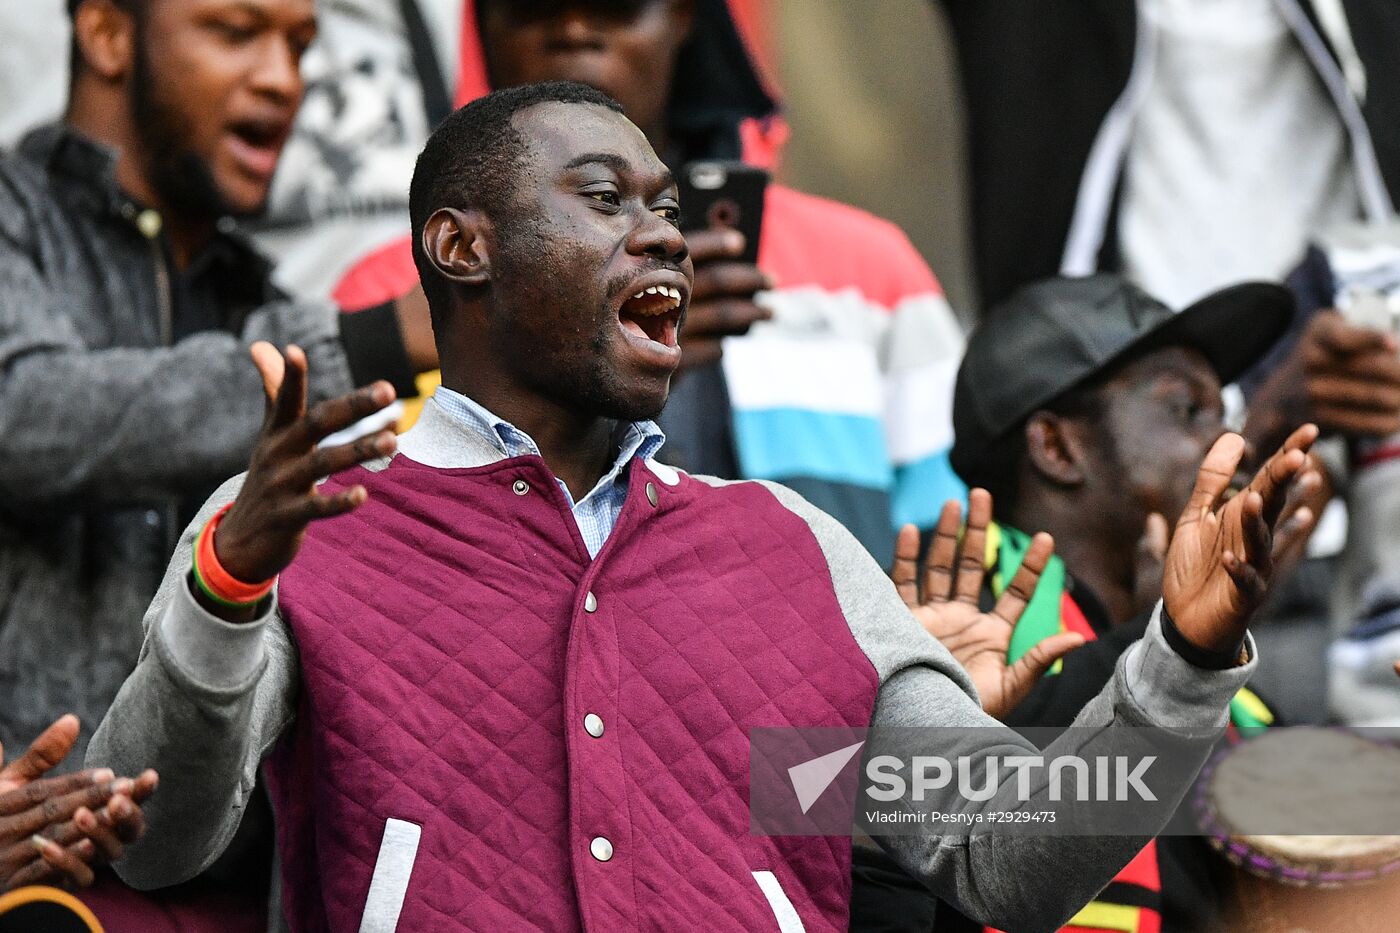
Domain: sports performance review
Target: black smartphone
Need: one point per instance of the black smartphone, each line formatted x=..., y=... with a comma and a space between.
x=724, y=194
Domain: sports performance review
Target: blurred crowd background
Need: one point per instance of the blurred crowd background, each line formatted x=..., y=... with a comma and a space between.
x=870, y=89
x=875, y=115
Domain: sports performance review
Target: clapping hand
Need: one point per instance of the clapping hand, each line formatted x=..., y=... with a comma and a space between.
x=944, y=598
x=1221, y=558
x=53, y=830
x=1296, y=525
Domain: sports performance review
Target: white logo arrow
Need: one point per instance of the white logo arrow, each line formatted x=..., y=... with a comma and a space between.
x=811, y=778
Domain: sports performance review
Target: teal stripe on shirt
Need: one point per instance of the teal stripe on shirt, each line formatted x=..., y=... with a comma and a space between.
x=776, y=443
x=921, y=488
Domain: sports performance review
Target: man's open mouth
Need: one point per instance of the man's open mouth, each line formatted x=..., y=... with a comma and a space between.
x=258, y=143
x=653, y=314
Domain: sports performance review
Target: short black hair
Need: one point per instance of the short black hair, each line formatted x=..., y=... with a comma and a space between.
x=472, y=161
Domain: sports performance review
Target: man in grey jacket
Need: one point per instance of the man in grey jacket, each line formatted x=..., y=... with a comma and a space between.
x=127, y=304
x=557, y=353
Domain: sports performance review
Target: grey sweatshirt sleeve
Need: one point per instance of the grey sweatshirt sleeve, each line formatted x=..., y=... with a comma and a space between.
x=1013, y=882
x=82, y=425
x=206, y=701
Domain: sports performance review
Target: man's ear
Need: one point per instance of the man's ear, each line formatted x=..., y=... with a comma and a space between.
x=455, y=243
x=1055, y=449
x=105, y=37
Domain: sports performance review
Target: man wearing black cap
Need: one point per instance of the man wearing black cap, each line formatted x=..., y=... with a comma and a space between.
x=1084, y=406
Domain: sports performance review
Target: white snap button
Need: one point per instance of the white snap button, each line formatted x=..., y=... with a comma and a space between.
x=600, y=847
x=651, y=494
x=149, y=223
x=593, y=725
x=590, y=602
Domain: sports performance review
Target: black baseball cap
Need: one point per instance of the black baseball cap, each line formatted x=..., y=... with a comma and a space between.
x=1058, y=333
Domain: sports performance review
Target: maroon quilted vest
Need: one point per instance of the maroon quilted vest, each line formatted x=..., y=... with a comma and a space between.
x=456, y=643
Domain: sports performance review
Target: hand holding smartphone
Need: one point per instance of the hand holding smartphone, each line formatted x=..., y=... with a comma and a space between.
x=717, y=200
x=724, y=194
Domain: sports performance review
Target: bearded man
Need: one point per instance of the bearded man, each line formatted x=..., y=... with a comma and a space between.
x=127, y=304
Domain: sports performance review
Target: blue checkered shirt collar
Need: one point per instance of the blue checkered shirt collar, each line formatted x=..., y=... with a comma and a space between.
x=596, y=513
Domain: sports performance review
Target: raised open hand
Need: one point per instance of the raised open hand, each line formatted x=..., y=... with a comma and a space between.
x=263, y=530
x=54, y=829
x=1295, y=526
x=943, y=595
x=1221, y=558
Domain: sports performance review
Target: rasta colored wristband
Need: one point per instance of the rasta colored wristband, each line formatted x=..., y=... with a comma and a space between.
x=217, y=583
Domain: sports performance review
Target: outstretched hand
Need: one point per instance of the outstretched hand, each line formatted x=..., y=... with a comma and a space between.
x=1295, y=526
x=263, y=530
x=1221, y=558
x=944, y=594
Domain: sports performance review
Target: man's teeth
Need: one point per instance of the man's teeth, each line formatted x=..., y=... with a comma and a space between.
x=664, y=290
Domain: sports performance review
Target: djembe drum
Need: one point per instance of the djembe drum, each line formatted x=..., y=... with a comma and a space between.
x=1251, y=797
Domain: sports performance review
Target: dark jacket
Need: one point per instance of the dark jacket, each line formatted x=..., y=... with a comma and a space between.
x=1043, y=81
x=125, y=391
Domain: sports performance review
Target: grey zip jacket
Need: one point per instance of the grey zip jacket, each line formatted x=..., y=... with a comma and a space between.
x=125, y=388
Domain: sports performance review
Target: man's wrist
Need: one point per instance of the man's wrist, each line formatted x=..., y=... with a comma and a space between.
x=228, y=613
x=1195, y=655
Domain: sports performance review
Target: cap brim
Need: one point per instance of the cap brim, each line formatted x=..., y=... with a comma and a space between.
x=1233, y=328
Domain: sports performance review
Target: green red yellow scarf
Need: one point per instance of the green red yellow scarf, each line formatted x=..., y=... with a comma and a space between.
x=1052, y=610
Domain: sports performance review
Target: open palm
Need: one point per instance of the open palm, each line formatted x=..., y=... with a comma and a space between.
x=1221, y=556
x=945, y=600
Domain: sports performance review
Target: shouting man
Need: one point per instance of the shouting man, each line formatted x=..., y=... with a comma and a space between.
x=127, y=304
x=510, y=682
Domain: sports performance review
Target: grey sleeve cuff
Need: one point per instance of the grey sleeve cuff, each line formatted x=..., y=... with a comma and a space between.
x=1173, y=693
x=215, y=654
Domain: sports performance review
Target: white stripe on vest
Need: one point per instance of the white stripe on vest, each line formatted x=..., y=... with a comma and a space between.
x=389, y=884
x=786, y=914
